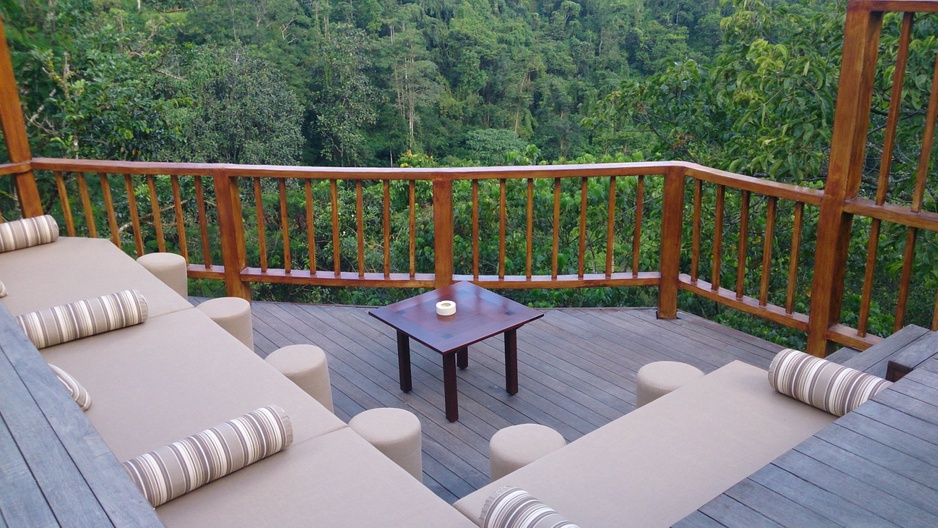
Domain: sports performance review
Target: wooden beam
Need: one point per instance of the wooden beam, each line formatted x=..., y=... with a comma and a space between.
x=443, y=231
x=14, y=132
x=672, y=225
x=848, y=143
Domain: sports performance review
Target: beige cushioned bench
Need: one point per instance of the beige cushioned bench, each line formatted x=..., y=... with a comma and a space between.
x=661, y=462
x=72, y=269
x=179, y=373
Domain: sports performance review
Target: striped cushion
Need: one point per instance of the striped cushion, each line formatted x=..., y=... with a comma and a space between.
x=27, y=232
x=76, y=320
x=512, y=507
x=826, y=385
x=176, y=469
x=75, y=389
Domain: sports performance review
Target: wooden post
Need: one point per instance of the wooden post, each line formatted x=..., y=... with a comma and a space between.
x=848, y=144
x=232, y=234
x=14, y=132
x=672, y=225
x=443, y=230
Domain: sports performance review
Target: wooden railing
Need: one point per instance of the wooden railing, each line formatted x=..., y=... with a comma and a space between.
x=732, y=239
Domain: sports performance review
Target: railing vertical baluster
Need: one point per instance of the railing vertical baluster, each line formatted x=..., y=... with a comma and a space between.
x=895, y=107
x=157, y=215
x=180, y=220
x=793, y=258
x=610, y=227
x=310, y=227
x=672, y=227
x=639, y=216
x=66, y=206
x=556, y=240
x=767, y=251
x=386, y=221
x=86, y=204
x=934, y=314
x=908, y=259
x=475, y=229
x=695, y=237
x=743, y=247
x=869, y=275
x=285, y=226
x=360, y=226
x=502, y=226
x=109, y=207
x=336, y=241
x=928, y=140
x=412, y=203
x=528, y=261
x=581, y=253
x=203, y=223
x=261, y=223
x=718, y=239
x=134, y=213
x=882, y=185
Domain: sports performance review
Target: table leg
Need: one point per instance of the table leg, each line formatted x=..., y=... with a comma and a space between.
x=462, y=357
x=511, y=361
x=403, y=361
x=449, y=386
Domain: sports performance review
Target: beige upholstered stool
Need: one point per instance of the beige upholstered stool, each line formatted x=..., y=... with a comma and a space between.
x=654, y=380
x=516, y=446
x=306, y=366
x=396, y=433
x=234, y=315
x=169, y=268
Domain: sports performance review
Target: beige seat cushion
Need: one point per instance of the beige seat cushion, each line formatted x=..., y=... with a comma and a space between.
x=336, y=479
x=71, y=269
x=659, y=463
x=175, y=375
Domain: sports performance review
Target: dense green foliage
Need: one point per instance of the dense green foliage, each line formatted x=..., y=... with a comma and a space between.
x=743, y=85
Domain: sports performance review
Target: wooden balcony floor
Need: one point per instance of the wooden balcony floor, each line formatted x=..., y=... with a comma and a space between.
x=576, y=373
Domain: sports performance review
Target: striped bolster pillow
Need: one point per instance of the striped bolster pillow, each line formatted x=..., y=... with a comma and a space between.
x=76, y=320
x=75, y=389
x=27, y=232
x=176, y=469
x=826, y=385
x=512, y=507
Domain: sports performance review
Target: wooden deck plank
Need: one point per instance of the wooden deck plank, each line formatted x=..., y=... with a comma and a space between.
x=576, y=367
x=846, y=488
x=814, y=498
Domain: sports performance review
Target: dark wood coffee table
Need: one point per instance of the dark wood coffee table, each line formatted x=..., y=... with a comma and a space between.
x=480, y=314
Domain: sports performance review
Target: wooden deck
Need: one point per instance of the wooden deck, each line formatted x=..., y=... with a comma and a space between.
x=876, y=466
x=576, y=369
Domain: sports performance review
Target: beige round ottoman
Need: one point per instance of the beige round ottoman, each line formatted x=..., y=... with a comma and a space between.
x=306, y=366
x=656, y=379
x=169, y=268
x=234, y=315
x=396, y=433
x=516, y=446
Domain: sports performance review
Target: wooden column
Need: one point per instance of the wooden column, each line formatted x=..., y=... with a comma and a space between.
x=231, y=226
x=443, y=230
x=848, y=144
x=672, y=225
x=14, y=132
